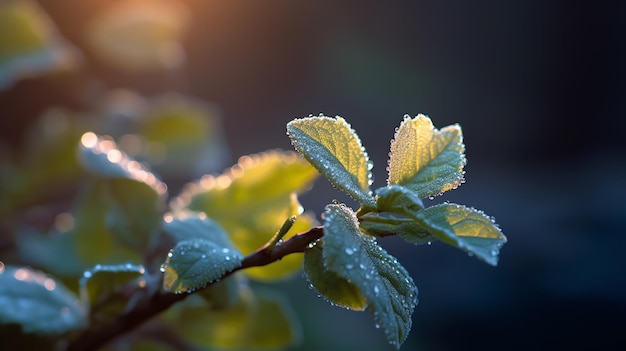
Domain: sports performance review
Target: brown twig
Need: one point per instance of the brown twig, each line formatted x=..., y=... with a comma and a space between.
x=152, y=305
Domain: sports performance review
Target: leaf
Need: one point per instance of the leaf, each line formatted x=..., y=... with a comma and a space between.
x=101, y=156
x=29, y=43
x=329, y=284
x=139, y=35
x=357, y=258
x=335, y=150
x=396, y=208
x=194, y=263
x=184, y=136
x=426, y=160
x=92, y=235
x=251, y=201
x=465, y=228
x=130, y=196
x=37, y=302
x=104, y=283
x=262, y=320
x=397, y=199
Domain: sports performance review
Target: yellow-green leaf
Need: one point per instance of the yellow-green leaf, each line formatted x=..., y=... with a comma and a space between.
x=139, y=35
x=252, y=200
x=261, y=320
x=424, y=159
x=335, y=150
x=329, y=284
x=29, y=43
x=466, y=228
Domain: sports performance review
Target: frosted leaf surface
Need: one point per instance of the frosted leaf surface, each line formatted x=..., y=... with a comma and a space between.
x=38, y=302
x=465, y=228
x=335, y=150
x=194, y=263
x=426, y=160
x=357, y=258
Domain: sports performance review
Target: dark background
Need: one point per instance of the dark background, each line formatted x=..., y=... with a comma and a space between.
x=539, y=88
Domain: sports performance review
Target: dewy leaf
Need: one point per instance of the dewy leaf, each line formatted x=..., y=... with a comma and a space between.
x=387, y=286
x=194, y=263
x=260, y=320
x=37, y=302
x=329, y=284
x=101, y=282
x=335, y=150
x=251, y=201
x=101, y=156
x=397, y=199
x=466, y=228
x=424, y=159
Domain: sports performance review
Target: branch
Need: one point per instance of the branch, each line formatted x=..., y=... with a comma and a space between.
x=152, y=305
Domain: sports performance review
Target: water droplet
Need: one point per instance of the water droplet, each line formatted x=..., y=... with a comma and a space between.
x=227, y=258
x=376, y=290
x=225, y=250
x=203, y=256
x=349, y=266
x=349, y=251
x=87, y=274
x=162, y=268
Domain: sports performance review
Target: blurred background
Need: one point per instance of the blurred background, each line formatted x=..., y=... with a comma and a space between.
x=538, y=87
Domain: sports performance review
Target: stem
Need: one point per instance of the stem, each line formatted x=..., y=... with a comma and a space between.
x=152, y=305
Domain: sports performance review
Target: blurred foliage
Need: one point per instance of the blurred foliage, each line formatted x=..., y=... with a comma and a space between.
x=29, y=43
x=85, y=197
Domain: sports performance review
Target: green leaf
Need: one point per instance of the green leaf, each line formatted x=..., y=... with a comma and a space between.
x=194, y=263
x=262, y=320
x=397, y=199
x=465, y=228
x=426, y=160
x=184, y=136
x=186, y=225
x=335, y=150
x=329, y=284
x=251, y=201
x=105, y=283
x=145, y=43
x=130, y=198
x=101, y=156
x=47, y=165
x=29, y=43
x=92, y=233
x=37, y=302
x=357, y=258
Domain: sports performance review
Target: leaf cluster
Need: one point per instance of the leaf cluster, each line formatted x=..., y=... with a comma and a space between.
x=348, y=266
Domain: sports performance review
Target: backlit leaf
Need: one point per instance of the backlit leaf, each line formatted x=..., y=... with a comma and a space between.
x=130, y=196
x=329, y=284
x=466, y=228
x=105, y=283
x=335, y=150
x=262, y=320
x=387, y=286
x=194, y=263
x=251, y=202
x=37, y=302
x=424, y=159
x=139, y=35
x=29, y=43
